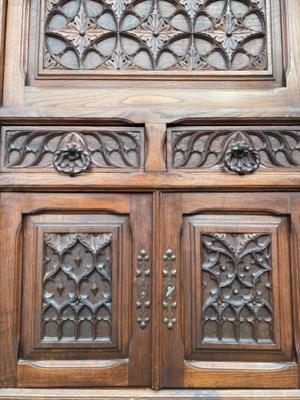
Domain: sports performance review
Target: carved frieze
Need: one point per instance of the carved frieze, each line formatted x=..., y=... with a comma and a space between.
x=73, y=152
x=238, y=150
x=187, y=35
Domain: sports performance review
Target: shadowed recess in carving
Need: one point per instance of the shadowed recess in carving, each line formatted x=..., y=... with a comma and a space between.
x=237, y=298
x=77, y=287
x=155, y=35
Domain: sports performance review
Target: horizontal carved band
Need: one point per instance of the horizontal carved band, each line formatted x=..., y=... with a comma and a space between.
x=239, y=150
x=73, y=151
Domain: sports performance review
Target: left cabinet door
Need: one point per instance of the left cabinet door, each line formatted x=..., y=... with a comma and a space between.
x=76, y=290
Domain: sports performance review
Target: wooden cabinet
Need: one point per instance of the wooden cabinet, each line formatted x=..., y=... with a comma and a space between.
x=149, y=197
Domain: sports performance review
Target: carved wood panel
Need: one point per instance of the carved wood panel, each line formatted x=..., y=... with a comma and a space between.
x=234, y=286
x=241, y=150
x=77, y=287
x=72, y=150
x=79, y=271
x=157, y=38
x=155, y=35
x=237, y=298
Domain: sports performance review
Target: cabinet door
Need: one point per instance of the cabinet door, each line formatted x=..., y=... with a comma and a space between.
x=226, y=292
x=82, y=278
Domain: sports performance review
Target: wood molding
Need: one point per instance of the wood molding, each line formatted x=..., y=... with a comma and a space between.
x=147, y=394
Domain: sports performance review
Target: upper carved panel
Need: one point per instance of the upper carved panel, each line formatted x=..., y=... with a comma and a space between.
x=237, y=299
x=157, y=35
x=77, y=287
x=238, y=150
x=75, y=151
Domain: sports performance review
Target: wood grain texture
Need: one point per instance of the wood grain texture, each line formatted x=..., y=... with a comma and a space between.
x=2, y=43
x=146, y=394
x=94, y=93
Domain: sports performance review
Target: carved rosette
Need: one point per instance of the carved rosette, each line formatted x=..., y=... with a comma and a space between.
x=169, y=300
x=241, y=158
x=143, y=301
x=72, y=156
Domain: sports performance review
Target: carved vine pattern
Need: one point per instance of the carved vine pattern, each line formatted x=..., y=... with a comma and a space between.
x=73, y=152
x=77, y=287
x=215, y=149
x=169, y=300
x=155, y=34
x=143, y=289
x=237, y=299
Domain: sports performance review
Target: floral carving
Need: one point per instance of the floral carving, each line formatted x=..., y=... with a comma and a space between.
x=241, y=151
x=77, y=292
x=155, y=35
x=74, y=152
x=237, y=293
x=241, y=158
x=72, y=157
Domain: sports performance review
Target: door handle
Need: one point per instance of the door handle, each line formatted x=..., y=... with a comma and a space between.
x=143, y=300
x=169, y=300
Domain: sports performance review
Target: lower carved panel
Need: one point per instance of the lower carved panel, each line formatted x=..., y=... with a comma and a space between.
x=237, y=299
x=77, y=287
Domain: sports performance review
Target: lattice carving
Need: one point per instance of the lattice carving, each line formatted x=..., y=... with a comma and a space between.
x=208, y=149
x=155, y=35
x=77, y=287
x=237, y=298
x=98, y=149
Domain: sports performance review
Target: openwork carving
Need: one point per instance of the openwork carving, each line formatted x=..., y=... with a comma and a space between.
x=237, y=298
x=155, y=34
x=241, y=151
x=72, y=157
x=74, y=152
x=77, y=287
x=169, y=300
x=143, y=289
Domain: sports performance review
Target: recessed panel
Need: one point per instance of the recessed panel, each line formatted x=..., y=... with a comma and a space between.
x=156, y=38
x=239, y=268
x=72, y=150
x=74, y=278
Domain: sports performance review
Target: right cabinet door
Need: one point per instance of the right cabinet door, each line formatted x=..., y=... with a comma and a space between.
x=227, y=291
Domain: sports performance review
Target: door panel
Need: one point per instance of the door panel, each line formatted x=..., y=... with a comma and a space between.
x=231, y=291
x=81, y=309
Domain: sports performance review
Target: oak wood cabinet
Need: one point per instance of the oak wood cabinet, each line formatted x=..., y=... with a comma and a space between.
x=150, y=198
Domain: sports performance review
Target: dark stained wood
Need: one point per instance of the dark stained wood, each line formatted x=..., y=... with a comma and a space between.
x=149, y=199
x=215, y=240
x=68, y=227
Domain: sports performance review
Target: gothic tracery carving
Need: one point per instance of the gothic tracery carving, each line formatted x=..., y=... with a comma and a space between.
x=237, y=298
x=155, y=34
x=242, y=151
x=73, y=151
x=77, y=287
